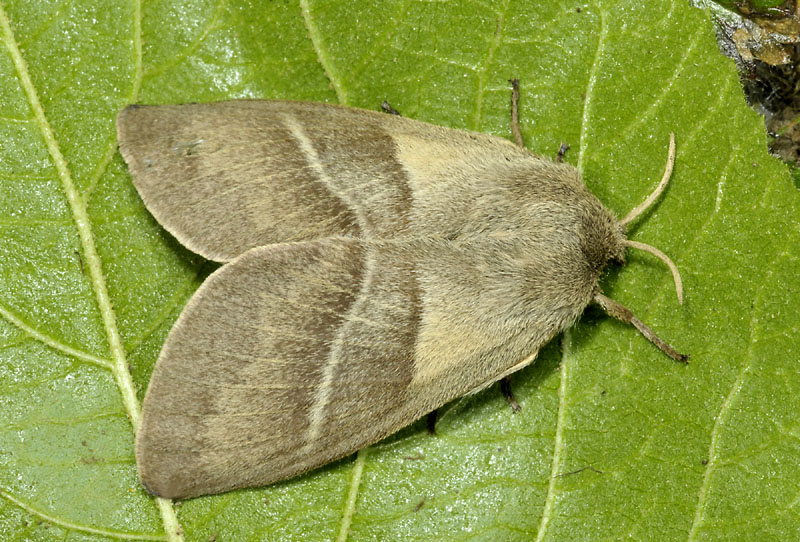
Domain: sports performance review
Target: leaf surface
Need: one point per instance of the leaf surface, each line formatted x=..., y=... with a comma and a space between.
x=614, y=440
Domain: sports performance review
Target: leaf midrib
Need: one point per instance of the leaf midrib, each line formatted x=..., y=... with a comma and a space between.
x=77, y=206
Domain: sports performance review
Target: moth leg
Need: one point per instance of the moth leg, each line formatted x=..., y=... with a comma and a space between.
x=515, y=113
x=505, y=387
x=624, y=314
x=562, y=150
x=432, y=416
x=515, y=130
x=389, y=109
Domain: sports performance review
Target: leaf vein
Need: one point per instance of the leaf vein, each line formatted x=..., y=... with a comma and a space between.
x=666, y=87
x=75, y=526
x=184, y=53
x=77, y=205
x=322, y=57
x=497, y=38
x=726, y=406
x=587, y=103
x=352, y=494
x=51, y=342
x=558, y=441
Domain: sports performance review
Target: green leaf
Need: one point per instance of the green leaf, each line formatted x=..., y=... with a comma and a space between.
x=614, y=439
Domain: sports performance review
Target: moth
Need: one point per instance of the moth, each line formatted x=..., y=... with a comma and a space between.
x=375, y=268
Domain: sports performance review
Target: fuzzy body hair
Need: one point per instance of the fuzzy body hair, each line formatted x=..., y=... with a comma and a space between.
x=376, y=267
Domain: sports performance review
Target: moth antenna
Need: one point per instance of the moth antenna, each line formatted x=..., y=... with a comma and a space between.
x=642, y=207
x=664, y=258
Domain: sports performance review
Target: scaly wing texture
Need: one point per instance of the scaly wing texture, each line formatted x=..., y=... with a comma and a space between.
x=296, y=354
x=246, y=376
x=229, y=176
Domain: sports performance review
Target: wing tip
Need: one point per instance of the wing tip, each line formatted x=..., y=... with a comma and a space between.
x=123, y=128
x=158, y=475
x=128, y=110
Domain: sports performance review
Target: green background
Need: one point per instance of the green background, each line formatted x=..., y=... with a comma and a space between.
x=614, y=440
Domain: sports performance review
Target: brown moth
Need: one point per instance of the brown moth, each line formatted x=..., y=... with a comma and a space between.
x=376, y=267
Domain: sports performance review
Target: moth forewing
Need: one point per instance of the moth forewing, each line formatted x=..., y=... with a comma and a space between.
x=229, y=176
x=378, y=267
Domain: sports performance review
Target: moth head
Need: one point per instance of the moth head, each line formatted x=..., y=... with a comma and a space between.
x=602, y=236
